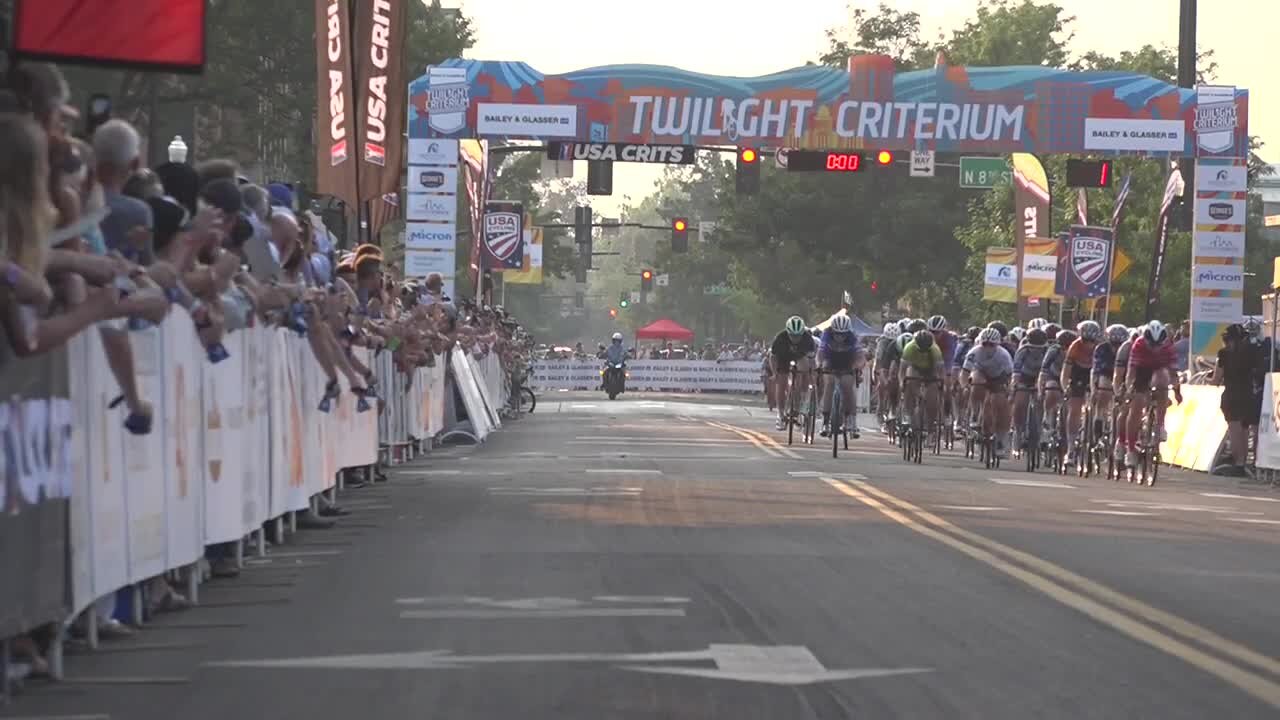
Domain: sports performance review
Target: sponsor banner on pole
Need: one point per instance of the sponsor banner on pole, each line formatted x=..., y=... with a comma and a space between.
x=424, y=207
x=379, y=59
x=1218, y=278
x=867, y=103
x=1217, y=289
x=335, y=107
x=433, y=151
x=429, y=236
x=1084, y=268
x=35, y=489
x=503, y=229
x=1215, y=210
x=531, y=273
x=527, y=119
x=1218, y=244
x=1218, y=116
x=421, y=263
x=1000, y=281
x=1231, y=178
x=622, y=152
x=438, y=179
x=1039, y=268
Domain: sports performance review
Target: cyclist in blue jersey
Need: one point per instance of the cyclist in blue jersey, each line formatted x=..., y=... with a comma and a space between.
x=1104, y=365
x=839, y=355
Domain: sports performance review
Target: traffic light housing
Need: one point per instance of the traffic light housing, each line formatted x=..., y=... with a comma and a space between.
x=884, y=157
x=646, y=280
x=582, y=236
x=747, y=172
x=679, y=235
x=599, y=177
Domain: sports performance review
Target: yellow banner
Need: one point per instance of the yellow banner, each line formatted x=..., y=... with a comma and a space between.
x=531, y=272
x=1039, y=268
x=1000, y=282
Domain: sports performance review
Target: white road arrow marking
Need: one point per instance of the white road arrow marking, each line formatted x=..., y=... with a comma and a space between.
x=774, y=665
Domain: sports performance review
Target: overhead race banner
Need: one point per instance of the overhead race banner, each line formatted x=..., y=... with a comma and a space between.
x=379, y=55
x=1084, y=266
x=335, y=121
x=866, y=105
x=1000, y=283
x=622, y=152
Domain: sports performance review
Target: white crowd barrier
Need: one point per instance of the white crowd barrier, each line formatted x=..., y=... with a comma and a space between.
x=1268, y=450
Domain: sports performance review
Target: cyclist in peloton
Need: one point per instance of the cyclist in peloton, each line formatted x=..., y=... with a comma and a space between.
x=988, y=367
x=1104, y=366
x=793, y=344
x=1152, y=365
x=1026, y=370
x=963, y=345
x=946, y=342
x=922, y=365
x=1051, y=371
x=1076, y=377
x=886, y=380
x=839, y=355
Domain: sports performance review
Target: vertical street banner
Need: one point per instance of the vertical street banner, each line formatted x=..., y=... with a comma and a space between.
x=36, y=477
x=1000, y=281
x=1218, y=247
x=503, y=231
x=1032, y=207
x=335, y=108
x=1173, y=188
x=1084, y=267
x=531, y=272
x=380, y=102
x=1039, y=268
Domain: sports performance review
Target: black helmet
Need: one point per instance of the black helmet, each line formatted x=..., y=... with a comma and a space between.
x=1051, y=330
x=924, y=339
x=1066, y=337
x=999, y=327
x=916, y=326
x=1037, y=338
x=972, y=333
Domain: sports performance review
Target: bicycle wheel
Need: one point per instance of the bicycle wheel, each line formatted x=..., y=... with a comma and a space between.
x=528, y=398
x=1151, y=451
x=837, y=417
x=793, y=410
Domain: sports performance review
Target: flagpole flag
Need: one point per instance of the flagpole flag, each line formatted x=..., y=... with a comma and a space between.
x=1172, y=188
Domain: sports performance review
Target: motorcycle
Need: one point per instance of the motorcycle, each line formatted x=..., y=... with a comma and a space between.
x=614, y=378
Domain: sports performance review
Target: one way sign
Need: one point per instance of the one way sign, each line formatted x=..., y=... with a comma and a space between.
x=921, y=163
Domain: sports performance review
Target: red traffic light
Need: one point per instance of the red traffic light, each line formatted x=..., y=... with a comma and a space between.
x=884, y=157
x=748, y=155
x=874, y=286
x=613, y=312
x=679, y=225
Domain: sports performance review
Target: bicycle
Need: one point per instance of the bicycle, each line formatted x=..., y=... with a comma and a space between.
x=797, y=415
x=520, y=394
x=1032, y=427
x=839, y=428
x=1148, y=446
x=913, y=435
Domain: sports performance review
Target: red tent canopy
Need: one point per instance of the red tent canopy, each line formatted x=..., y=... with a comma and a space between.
x=664, y=329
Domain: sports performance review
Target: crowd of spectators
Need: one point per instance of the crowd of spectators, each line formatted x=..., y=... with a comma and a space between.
x=94, y=240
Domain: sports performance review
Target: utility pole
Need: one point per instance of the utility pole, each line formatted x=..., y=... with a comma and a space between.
x=1187, y=79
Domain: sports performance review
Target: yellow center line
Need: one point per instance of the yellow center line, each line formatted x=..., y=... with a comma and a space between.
x=910, y=516
x=753, y=440
x=766, y=439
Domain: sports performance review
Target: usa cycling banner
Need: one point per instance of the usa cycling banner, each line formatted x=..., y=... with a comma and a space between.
x=1000, y=281
x=503, y=235
x=866, y=103
x=1084, y=269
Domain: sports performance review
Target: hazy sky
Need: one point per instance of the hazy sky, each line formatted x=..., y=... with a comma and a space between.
x=754, y=38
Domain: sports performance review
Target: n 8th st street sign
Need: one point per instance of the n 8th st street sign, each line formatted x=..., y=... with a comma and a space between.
x=984, y=172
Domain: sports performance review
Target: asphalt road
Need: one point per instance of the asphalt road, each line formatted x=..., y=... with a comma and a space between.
x=666, y=557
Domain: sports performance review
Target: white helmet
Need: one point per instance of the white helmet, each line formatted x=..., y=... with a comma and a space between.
x=1155, y=332
x=890, y=329
x=904, y=339
x=841, y=323
x=1037, y=324
x=617, y=337
x=937, y=323
x=1016, y=334
x=1090, y=330
x=989, y=335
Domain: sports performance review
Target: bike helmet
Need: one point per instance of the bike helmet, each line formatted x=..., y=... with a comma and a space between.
x=1117, y=333
x=1135, y=333
x=617, y=337
x=841, y=323
x=999, y=327
x=1037, y=338
x=990, y=336
x=902, y=325
x=1253, y=326
x=937, y=323
x=816, y=332
x=1037, y=324
x=1066, y=337
x=924, y=339
x=795, y=326
x=903, y=339
x=972, y=333
x=1016, y=334
x=1155, y=332
x=890, y=329
x=1090, y=331
x=916, y=326
x=1051, y=330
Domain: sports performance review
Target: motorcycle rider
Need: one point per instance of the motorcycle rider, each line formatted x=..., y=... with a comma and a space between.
x=615, y=354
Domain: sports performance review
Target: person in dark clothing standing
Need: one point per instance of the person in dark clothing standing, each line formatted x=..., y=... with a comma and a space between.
x=1240, y=371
